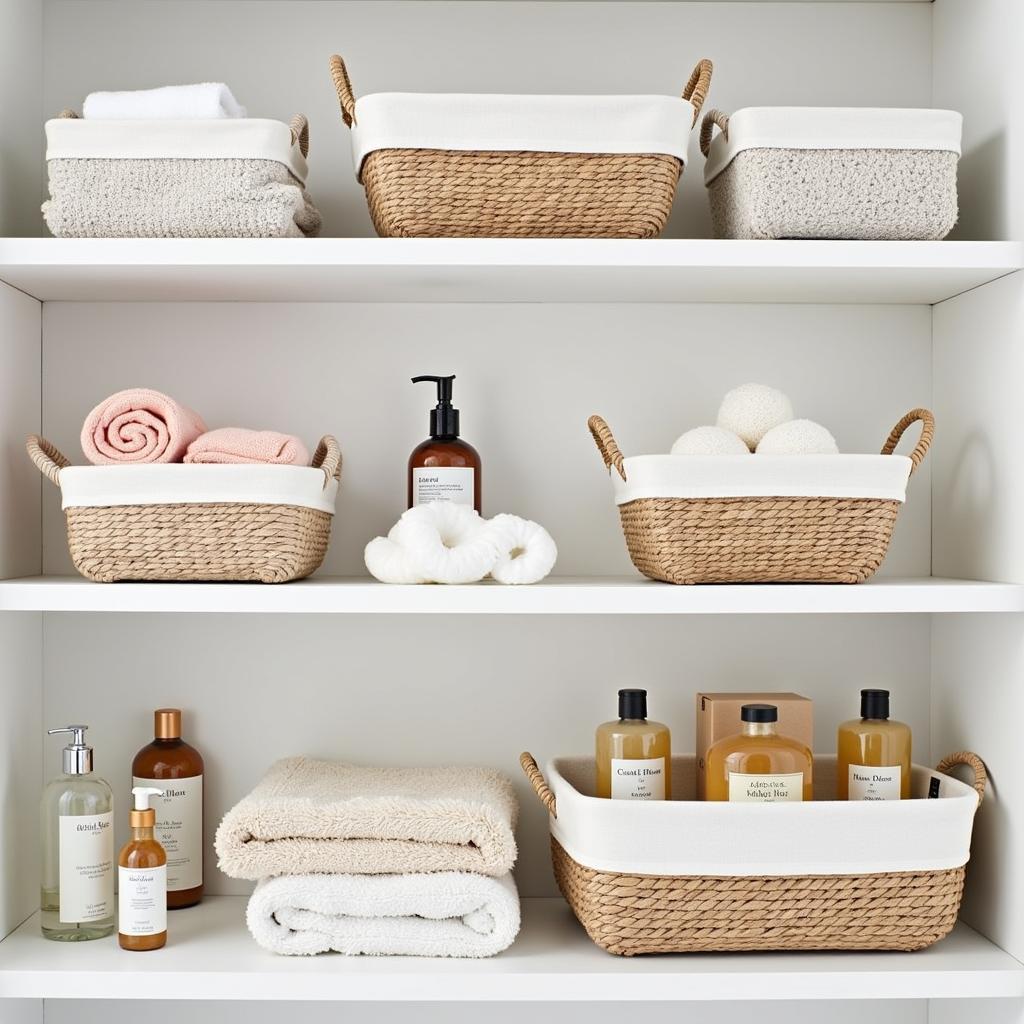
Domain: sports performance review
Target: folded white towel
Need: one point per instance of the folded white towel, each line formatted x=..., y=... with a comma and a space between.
x=205, y=100
x=453, y=913
x=311, y=817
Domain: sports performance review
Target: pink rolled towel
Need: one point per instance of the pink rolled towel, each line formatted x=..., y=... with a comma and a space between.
x=139, y=425
x=236, y=444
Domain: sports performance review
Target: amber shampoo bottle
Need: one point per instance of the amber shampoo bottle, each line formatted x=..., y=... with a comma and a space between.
x=444, y=467
x=634, y=756
x=142, y=880
x=172, y=766
x=873, y=753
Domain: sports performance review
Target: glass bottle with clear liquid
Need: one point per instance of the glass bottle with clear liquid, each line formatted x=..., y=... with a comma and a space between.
x=77, y=832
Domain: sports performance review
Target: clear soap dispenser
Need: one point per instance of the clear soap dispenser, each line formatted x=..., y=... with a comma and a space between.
x=77, y=831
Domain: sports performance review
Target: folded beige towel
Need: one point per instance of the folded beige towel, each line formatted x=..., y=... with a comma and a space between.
x=313, y=817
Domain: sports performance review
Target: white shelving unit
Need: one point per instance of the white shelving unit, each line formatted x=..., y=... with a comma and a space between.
x=321, y=335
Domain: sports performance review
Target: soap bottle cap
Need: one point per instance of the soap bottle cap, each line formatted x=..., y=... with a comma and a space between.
x=633, y=704
x=142, y=815
x=77, y=757
x=759, y=713
x=444, y=420
x=874, y=704
x=167, y=724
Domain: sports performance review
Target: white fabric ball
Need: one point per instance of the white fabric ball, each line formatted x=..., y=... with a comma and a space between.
x=527, y=551
x=798, y=437
x=390, y=563
x=710, y=441
x=446, y=542
x=751, y=410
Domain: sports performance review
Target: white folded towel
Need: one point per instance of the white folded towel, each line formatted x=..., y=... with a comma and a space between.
x=455, y=914
x=203, y=101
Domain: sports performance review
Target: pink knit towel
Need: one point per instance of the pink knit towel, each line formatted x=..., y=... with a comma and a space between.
x=236, y=444
x=139, y=425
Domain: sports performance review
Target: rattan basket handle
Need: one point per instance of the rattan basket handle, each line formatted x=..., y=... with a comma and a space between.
x=300, y=133
x=48, y=460
x=540, y=787
x=924, y=442
x=973, y=762
x=346, y=97
x=707, y=128
x=328, y=458
x=696, y=90
x=606, y=445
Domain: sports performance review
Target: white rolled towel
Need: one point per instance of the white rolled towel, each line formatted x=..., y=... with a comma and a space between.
x=202, y=101
x=527, y=552
x=450, y=914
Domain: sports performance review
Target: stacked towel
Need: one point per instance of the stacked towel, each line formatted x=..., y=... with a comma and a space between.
x=370, y=860
x=239, y=445
x=203, y=101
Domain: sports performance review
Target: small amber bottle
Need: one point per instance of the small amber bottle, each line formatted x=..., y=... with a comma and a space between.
x=873, y=754
x=634, y=756
x=171, y=765
x=142, y=880
x=444, y=467
x=759, y=765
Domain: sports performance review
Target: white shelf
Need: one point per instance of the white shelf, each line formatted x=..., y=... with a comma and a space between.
x=210, y=955
x=556, y=596
x=500, y=270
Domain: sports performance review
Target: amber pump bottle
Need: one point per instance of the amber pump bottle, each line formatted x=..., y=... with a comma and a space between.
x=171, y=765
x=634, y=756
x=873, y=761
x=142, y=880
x=444, y=467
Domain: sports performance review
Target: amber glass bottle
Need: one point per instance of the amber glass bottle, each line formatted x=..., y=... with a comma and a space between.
x=634, y=756
x=873, y=754
x=759, y=765
x=171, y=765
x=444, y=467
x=142, y=880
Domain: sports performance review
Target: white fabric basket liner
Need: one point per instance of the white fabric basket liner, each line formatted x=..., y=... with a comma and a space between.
x=173, y=484
x=822, y=837
x=763, y=476
x=542, y=124
x=247, y=138
x=833, y=128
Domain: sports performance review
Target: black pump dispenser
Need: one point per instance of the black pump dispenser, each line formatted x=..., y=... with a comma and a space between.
x=444, y=420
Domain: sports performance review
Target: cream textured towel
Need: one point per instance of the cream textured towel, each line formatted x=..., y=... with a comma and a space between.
x=321, y=817
x=447, y=914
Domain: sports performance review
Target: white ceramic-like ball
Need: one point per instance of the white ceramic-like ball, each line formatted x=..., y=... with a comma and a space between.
x=751, y=410
x=709, y=441
x=798, y=437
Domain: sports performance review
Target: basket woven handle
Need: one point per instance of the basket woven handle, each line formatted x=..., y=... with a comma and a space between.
x=712, y=119
x=328, y=458
x=973, y=762
x=343, y=84
x=48, y=460
x=924, y=442
x=540, y=787
x=696, y=90
x=606, y=445
x=300, y=133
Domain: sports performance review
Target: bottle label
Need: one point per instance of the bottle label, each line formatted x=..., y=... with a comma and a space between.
x=142, y=900
x=638, y=778
x=766, y=789
x=86, y=867
x=179, y=828
x=443, y=483
x=873, y=783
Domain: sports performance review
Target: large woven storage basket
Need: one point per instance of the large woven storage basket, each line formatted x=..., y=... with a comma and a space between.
x=832, y=172
x=761, y=518
x=215, y=178
x=685, y=876
x=451, y=166
x=269, y=524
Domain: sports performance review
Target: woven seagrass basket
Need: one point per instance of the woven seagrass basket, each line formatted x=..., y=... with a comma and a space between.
x=443, y=193
x=224, y=541
x=629, y=914
x=763, y=539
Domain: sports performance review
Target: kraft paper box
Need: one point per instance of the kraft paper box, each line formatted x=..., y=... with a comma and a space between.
x=718, y=716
